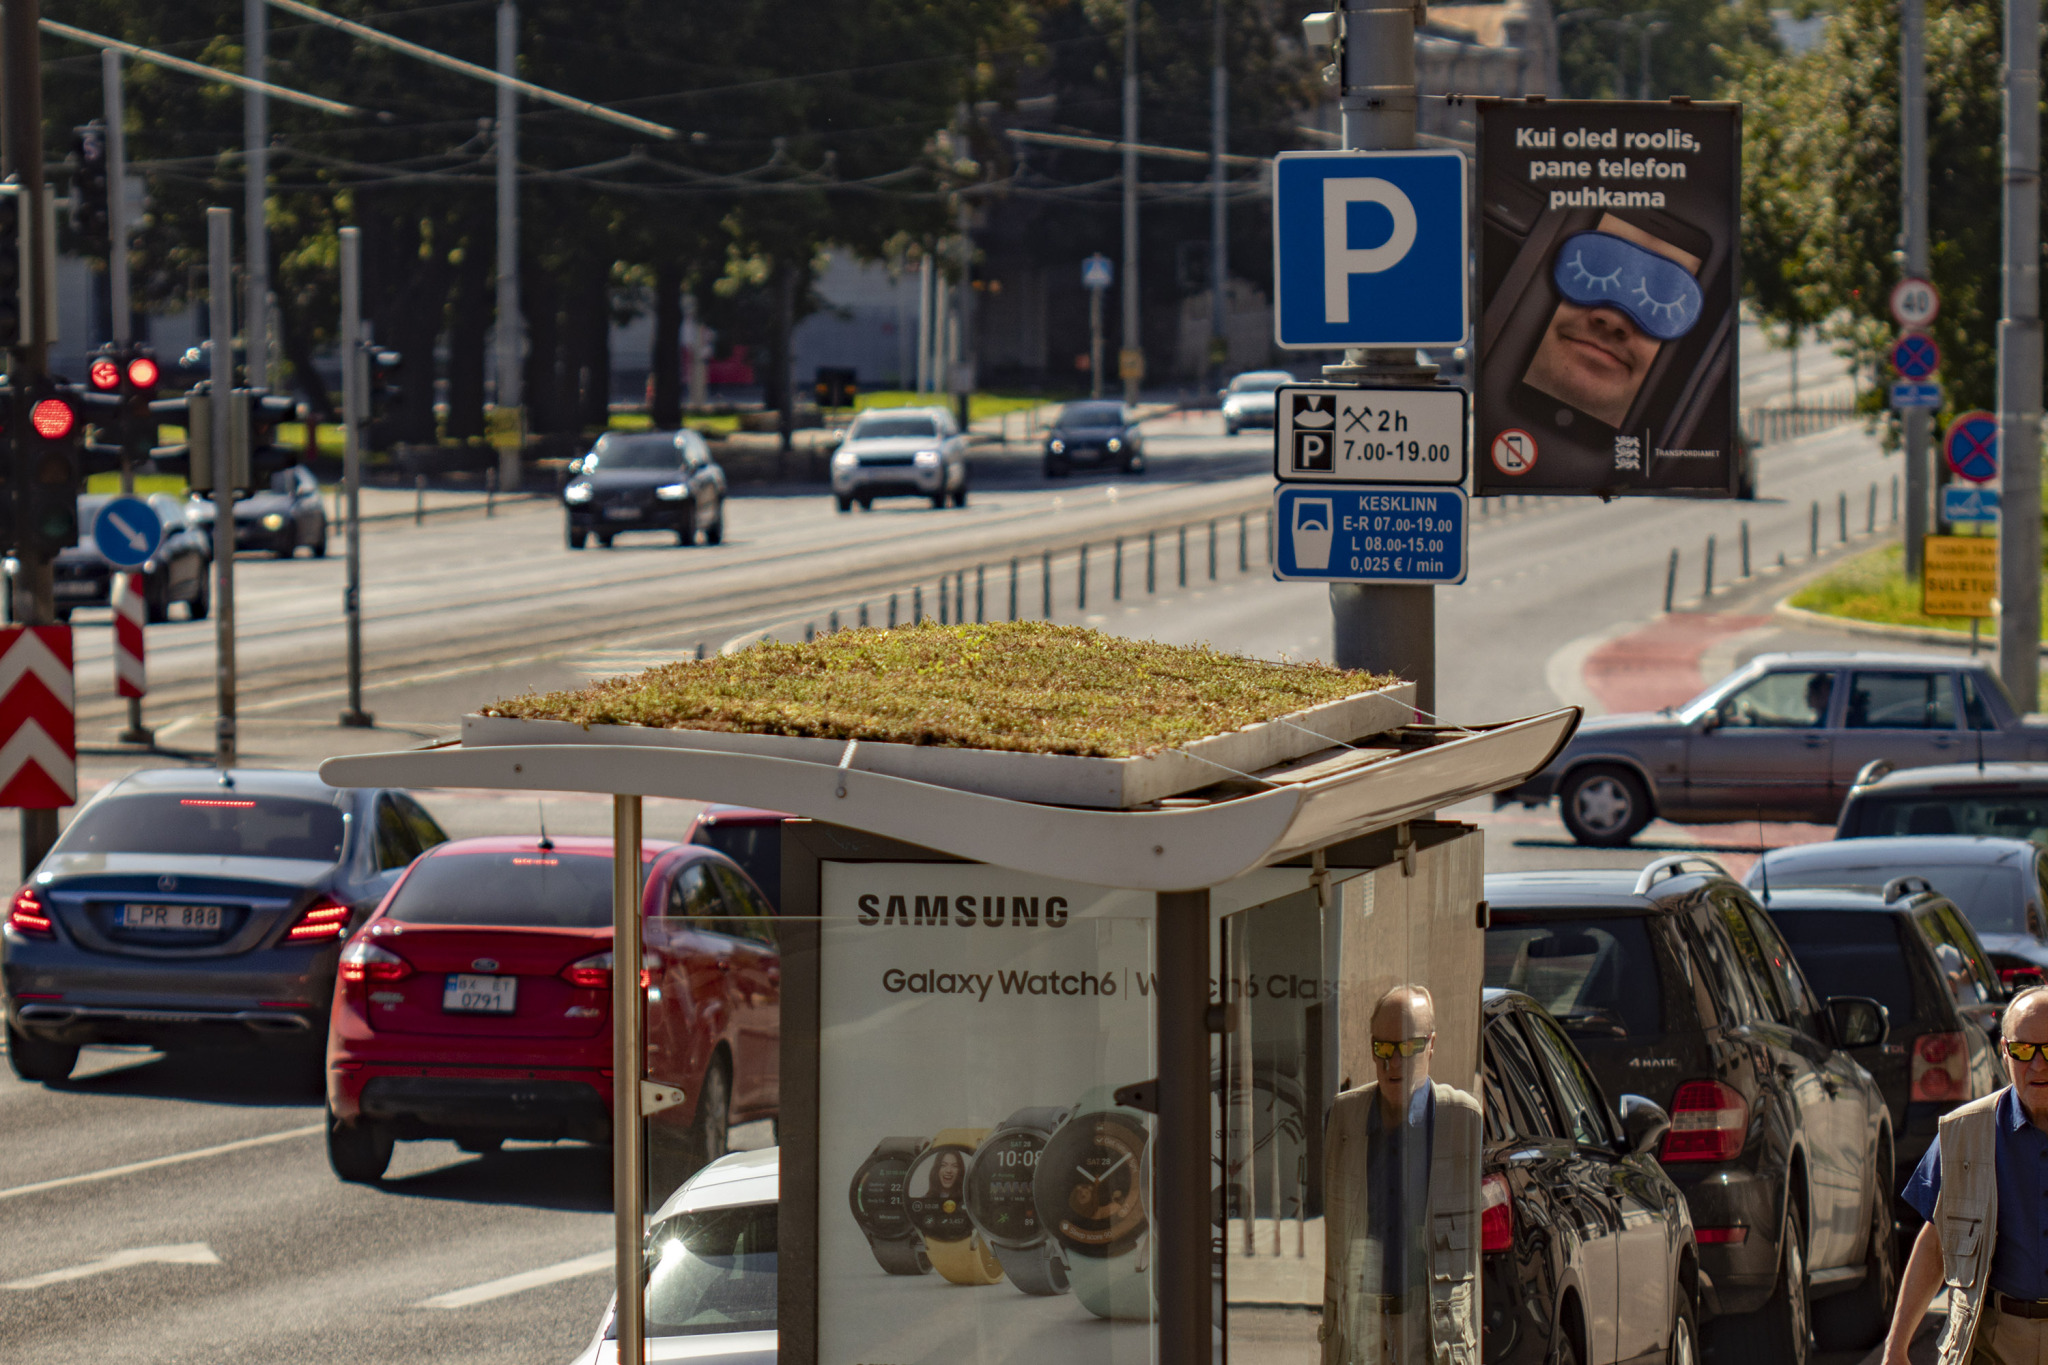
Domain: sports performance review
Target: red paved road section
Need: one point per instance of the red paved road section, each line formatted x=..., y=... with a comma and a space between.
x=1659, y=665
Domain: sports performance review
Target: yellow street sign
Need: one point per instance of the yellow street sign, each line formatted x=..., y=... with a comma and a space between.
x=1958, y=575
x=1130, y=363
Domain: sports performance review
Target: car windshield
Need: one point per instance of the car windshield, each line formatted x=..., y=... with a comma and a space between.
x=1598, y=976
x=1851, y=952
x=712, y=1270
x=1092, y=415
x=892, y=428
x=284, y=481
x=223, y=825
x=755, y=847
x=1260, y=381
x=636, y=452
x=2009, y=815
x=1991, y=898
x=527, y=889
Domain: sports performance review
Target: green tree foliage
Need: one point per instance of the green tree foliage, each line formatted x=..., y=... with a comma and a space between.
x=1692, y=45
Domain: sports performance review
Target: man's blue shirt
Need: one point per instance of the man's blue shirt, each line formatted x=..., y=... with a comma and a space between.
x=1397, y=1159
x=2019, y=1263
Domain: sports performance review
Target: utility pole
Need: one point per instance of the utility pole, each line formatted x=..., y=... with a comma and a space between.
x=220, y=226
x=1388, y=628
x=255, y=190
x=511, y=378
x=1219, y=215
x=120, y=317
x=1132, y=340
x=963, y=309
x=1913, y=196
x=2019, y=364
x=353, y=417
x=21, y=75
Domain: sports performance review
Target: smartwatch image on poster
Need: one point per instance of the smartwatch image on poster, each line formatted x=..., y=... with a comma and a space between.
x=1002, y=1205
x=1090, y=1188
x=937, y=1200
x=881, y=1207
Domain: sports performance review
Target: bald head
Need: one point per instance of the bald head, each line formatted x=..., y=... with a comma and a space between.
x=1407, y=1011
x=2027, y=1006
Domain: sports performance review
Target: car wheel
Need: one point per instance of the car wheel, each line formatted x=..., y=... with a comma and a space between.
x=686, y=527
x=1781, y=1332
x=1230, y=428
x=1604, y=807
x=577, y=539
x=201, y=605
x=156, y=606
x=38, y=1059
x=710, y=1129
x=359, y=1152
x=320, y=545
x=960, y=496
x=1563, y=1350
x=938, y=500
x=1856, y=1321
x=477, y=1145
x=867, y=504
x=845, y=504
x=63, y=613
x=604, y=540
x=1685, y=1332
x=1135, y=465
x=287, y=543
x=714, y=534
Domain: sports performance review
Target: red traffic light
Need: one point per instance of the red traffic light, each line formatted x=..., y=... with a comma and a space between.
x=105, y=374
x=142, y=372
x=52, y=418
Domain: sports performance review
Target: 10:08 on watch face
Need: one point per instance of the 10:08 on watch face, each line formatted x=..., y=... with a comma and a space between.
x=999, y=1190
x=1088, y=1185
x=878, y=1200
x=937, y=1199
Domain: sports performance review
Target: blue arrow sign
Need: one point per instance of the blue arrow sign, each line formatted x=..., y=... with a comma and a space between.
x=1913, y=395
x=127, y=531
x=1969, y=504
x=1972, y=446
x=1915, y=356
x=1097, y=272
x=1357, y=533
x=1369, y=248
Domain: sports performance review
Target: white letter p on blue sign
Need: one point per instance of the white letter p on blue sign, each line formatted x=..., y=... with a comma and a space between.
x=1370, y=249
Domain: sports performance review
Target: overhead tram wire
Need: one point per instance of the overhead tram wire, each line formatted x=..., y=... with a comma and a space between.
x=203, y=71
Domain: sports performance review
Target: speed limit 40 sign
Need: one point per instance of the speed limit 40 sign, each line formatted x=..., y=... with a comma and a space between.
x=1915, y=302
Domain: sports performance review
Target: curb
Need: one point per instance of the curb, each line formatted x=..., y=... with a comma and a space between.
x=1878, y=629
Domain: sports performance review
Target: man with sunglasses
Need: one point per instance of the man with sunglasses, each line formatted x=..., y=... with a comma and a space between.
x=1401, y=1187
x=1983, y=1189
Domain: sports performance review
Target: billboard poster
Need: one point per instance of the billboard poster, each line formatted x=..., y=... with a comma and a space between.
x=1608, y=285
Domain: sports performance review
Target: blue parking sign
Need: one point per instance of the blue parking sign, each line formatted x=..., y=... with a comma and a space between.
x=1369, y=248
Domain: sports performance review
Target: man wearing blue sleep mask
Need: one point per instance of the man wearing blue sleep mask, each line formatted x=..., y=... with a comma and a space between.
x=1623, y=294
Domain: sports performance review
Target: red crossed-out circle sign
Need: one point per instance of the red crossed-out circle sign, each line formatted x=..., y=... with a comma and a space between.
x=1915, y=356
x=1514, y=451
x=1972, y=446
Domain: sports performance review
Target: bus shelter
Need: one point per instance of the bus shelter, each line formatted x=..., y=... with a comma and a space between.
x=1069, y=1082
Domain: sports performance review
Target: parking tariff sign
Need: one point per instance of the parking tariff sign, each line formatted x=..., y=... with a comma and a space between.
x=1360, y=533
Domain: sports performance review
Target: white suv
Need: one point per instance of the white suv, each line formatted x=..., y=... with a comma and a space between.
x=901, y=452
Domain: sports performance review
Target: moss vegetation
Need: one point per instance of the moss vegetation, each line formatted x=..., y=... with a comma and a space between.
x=1022, y=686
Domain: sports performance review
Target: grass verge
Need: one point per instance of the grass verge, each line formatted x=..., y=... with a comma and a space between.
x=1873, y=587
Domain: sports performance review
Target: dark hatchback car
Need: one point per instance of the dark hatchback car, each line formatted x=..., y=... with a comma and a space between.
x=177, y=572
x=662, y=481
x=1676, y=985
x=283, y=516
x=185, y=909
x=1588, y=1251
x=1103, y=434
x=750, y=837
x=1913, y=951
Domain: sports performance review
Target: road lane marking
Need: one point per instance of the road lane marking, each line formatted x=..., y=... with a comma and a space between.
x=131, y=1168
x=187, y=1253
x=520, y=1283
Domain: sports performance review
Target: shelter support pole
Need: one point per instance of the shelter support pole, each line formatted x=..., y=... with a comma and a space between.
x=629, y=1183
x=2019, y=364
x=1180, y=1169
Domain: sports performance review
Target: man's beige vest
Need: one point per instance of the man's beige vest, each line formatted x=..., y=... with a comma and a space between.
x=1966, y=1218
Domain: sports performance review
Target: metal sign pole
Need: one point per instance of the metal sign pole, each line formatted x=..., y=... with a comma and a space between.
x=352, y=419
x=220, y=224
x=1916, y=422
x=255, y=191
x=629, y=1184
x=510, y=376
x=1133, y=331
x=2019, y=363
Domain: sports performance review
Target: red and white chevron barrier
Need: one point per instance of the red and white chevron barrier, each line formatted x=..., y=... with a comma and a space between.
x=130, y=611
x=38, y=733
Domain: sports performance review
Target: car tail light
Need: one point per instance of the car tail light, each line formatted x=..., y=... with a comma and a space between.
x=593, y=973
x=1497, y=1218
x=1722, y=1236
x=27, y=915
x=1941, y=1067
x=365, y=961
x=323, y=919
x=1708, y=1122
x=2019, y=978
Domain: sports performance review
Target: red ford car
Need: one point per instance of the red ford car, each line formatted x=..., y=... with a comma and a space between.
x=475, y=1004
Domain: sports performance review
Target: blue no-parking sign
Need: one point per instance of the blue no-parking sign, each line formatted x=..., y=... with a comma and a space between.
x=1915, y=356
x=1369, y=248
x=127, y=531
x=1972, y=446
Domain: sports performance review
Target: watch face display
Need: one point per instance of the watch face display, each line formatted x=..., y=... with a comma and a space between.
x=878, y=1203
x=999, y=1188
x=938, y=1193
x=1089, y=1186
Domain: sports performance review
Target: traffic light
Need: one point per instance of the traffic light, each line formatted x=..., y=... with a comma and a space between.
x=13, y=230
x=105, y=413
x=89, y=181
x=836, y=386
x=384, y=395
x=47, y=433
x=138, y=428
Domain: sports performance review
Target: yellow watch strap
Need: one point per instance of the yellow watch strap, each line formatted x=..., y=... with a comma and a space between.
x=968, y=1261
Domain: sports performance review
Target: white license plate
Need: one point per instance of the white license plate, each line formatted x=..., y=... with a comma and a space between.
x=466, y=994
x=624, y=513
x=172, y=918
x=75, y=589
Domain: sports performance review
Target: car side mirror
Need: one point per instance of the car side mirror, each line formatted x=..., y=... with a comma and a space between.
x=1858, y=1021
x=1643, y=1123
x=1712, y=721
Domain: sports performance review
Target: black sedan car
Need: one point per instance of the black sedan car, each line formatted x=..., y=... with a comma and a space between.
x=646, y=481
x=1104, y=434
x=1676, y=985
x=182, y=909
x=1588, y=1251
x=177, y=572
x=280, y=519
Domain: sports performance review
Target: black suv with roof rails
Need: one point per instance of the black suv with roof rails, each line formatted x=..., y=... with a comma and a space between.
x=1676, y=985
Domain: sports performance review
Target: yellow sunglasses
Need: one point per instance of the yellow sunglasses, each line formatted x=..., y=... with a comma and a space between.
x=1407, y=1047
x=2018, y=1051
